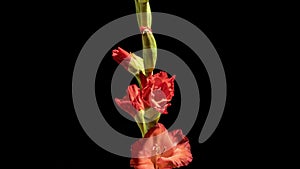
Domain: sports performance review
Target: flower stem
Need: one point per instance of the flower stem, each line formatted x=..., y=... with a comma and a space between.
x=140, y=120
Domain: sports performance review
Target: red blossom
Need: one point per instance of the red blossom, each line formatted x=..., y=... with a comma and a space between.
x=161, y=149
x=158, y=91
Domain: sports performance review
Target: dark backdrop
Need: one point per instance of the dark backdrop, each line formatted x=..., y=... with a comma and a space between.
x=62, y=31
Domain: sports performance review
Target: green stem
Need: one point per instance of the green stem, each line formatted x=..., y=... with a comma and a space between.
x=140, y=120
x=144, y=125
x=139, y=81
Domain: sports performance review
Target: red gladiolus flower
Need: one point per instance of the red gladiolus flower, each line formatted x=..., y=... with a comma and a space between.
x=132, y=102
x=161, y=149
x=158, y=91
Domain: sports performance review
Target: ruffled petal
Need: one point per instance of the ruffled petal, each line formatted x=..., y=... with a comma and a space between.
x=141, y=163
x=158, y=91
x=134, y=94
x=158, y=101
x=181, y=154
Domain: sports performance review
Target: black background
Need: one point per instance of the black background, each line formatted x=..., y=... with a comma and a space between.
x=238, y=33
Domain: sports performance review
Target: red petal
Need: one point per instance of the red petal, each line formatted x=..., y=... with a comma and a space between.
x=181, y=156
x=123, y=52
x=134, y=94
x=157, y=91
x=143, y=79
x=156, y=130
x=141, y=163
x=132, y=102
x=125, y=104
x=119, y=55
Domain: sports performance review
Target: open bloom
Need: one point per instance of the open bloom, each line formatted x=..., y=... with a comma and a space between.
x=160, y=149
x=158, y=91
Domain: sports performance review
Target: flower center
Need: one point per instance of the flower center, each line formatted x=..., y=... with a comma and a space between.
x=157, y=150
